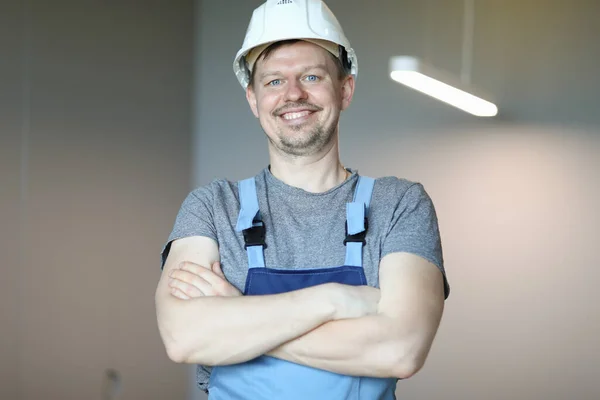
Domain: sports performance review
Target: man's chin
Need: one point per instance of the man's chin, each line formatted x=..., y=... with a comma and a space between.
x=301, y=147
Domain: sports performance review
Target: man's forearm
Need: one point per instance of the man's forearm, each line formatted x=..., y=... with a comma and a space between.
x=228, y=330
x=392, y=343
x=361, y=347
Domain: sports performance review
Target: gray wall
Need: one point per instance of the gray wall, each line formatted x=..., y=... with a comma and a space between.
x=94, y=161
x=516, y=195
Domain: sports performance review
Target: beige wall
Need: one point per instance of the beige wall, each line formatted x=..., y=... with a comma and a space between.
x=95, y=129
x=517, y=195
x=10, y=132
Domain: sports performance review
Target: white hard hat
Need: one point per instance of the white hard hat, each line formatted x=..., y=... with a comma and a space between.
x=277, y=20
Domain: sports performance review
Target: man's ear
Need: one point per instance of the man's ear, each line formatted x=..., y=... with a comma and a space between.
x=347, y=91
x=251, y=97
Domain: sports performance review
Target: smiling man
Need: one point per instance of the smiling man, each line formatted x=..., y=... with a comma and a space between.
x=306, y=281
x=303, y=123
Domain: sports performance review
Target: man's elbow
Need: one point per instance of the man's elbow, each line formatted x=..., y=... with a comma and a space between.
x=174, y=344
x=407, y=363
x=174, y=330
x=180, y=348
x=174, y=340
x=405, y=369
x=176, y=353
x=183, y=349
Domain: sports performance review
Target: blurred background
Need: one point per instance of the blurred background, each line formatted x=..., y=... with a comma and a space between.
x=112, y=111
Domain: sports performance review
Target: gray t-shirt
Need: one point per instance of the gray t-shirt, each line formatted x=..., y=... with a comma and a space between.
x=307, y=230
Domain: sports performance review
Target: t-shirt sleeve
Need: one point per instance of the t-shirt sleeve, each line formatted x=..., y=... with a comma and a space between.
x=414, y=229
x=195, y=218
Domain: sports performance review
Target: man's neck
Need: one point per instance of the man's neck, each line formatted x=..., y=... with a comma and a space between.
x=315, y=174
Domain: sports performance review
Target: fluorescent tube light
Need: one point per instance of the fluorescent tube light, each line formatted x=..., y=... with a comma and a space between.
x=411, y=72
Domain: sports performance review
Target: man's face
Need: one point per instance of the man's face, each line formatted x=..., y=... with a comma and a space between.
x=297, y=95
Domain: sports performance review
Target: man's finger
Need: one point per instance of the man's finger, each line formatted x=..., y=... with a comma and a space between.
x=216, y=267
x=216, y=285
x=194, y=289
x=205, y=273
x=189, y=265
x=179, y=294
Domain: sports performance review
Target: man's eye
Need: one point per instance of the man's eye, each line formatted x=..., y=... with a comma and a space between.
x=274, y=82
x=312, y=78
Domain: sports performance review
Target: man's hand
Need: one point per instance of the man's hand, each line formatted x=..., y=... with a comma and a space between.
x=190, y=280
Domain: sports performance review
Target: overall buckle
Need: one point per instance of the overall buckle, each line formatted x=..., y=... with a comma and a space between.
x=255, y=236
x=359, y=237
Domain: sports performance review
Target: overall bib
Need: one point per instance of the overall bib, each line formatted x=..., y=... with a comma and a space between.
x=269, y=378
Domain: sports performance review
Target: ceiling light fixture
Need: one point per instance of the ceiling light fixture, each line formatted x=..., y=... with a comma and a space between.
x=460, y=93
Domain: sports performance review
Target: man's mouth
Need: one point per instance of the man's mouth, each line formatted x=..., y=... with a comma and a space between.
x=290, y=116
x=296, y=113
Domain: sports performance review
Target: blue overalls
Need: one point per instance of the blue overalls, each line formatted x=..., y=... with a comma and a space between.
x=269, y=378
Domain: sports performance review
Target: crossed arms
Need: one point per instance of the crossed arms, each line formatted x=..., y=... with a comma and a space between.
x=350, y=330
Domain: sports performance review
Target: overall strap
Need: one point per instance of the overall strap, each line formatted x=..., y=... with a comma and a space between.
x=356, y=221
x=250, y=223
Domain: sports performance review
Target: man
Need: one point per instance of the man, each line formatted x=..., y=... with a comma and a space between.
x=306, y=281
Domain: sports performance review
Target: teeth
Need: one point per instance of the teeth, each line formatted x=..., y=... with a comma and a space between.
x=294, y=115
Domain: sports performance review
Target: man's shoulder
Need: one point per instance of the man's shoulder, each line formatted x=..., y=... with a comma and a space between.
x=392, y=180
x=207, y=194
x=394, y=190
x=220, y=188
x=396, y=185
x=215, y=185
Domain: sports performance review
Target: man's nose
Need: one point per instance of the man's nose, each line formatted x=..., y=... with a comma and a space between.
x=295, y=91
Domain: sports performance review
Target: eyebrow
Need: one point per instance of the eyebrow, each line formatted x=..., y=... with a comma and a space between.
x=304, y=70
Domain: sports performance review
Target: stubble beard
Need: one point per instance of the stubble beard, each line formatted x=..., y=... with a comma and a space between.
x=306, y=144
